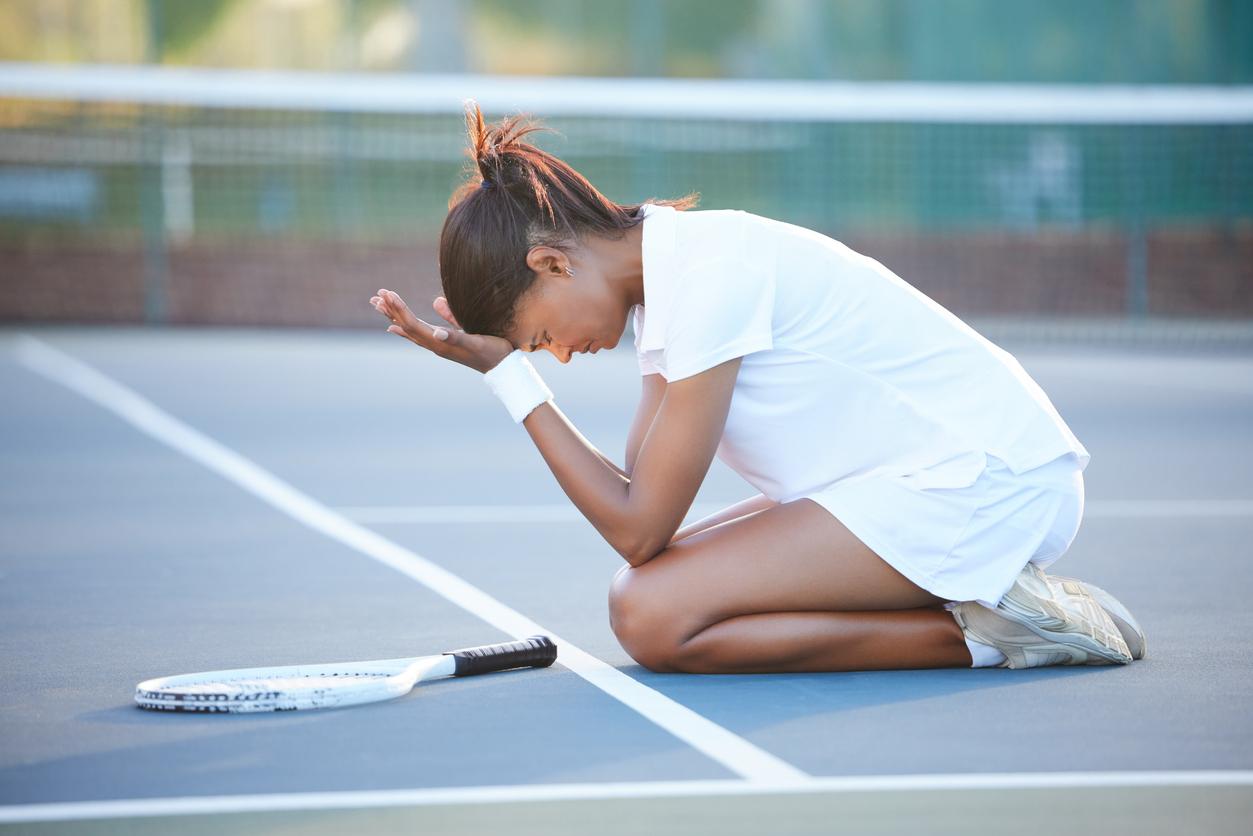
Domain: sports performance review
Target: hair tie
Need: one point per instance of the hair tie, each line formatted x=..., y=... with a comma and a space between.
x=485, y=183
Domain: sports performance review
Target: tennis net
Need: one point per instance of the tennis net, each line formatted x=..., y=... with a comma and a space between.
x=240, y=197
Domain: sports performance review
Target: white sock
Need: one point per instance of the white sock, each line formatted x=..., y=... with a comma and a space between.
x=984, y=655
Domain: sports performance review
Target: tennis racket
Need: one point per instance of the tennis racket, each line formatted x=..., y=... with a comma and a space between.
x=296, y=687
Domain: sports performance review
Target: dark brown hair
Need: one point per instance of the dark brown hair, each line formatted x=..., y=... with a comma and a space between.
x=517, y=197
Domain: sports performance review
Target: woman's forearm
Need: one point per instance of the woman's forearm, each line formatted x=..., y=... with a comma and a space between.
x=596, y=486
x=610, y=463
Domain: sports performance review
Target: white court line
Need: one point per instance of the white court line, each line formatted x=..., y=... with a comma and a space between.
x=503, y=794
x=428, y=514
x=730, y=750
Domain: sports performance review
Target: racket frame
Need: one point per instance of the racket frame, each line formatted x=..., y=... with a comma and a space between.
x=332, y=685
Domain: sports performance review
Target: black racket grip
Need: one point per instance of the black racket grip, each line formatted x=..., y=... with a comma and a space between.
x=532, y=652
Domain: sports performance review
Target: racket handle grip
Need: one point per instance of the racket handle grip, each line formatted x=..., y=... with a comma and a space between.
x=532, y=652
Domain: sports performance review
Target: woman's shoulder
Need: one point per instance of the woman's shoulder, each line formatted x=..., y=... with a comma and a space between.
x=706, y=233
x=736, y=226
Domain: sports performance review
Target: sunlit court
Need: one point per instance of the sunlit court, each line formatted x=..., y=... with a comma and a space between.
x=668, y=417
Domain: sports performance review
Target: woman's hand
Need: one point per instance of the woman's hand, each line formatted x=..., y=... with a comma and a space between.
x=478, y=351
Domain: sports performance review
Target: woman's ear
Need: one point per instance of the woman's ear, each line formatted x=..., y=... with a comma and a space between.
x=547, y=261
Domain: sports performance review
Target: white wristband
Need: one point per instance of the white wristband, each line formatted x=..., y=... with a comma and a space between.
x=517, y=384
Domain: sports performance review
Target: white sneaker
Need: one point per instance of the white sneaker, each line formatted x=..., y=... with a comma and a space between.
x=1123, y=620
x=1064, y=614
x=1022, y=647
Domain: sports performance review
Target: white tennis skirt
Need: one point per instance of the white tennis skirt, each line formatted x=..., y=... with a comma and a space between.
x=969, y=542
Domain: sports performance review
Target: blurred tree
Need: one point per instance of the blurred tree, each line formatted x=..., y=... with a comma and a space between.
x=441, y=43
x=649, y=37
x=176, y=25
x=1062, y=41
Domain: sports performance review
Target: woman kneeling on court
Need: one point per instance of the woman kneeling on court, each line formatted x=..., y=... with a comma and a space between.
x=914, y=480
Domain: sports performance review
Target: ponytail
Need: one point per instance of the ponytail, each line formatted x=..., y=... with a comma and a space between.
x=516, y=197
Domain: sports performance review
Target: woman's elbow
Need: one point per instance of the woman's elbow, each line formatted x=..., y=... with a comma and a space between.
x=645, y=551
x=636, y=557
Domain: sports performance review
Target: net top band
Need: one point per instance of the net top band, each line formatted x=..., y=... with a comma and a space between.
x=724, y=99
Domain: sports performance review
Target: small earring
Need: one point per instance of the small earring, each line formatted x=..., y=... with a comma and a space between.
x=568, y=270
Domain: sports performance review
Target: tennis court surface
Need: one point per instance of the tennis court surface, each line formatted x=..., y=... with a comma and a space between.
x=178, y=500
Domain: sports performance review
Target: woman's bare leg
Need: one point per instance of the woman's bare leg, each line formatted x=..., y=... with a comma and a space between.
x=788, y=588
x=743, y=508
x=827, y=641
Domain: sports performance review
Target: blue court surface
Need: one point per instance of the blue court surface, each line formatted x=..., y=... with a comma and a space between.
x=179, y=500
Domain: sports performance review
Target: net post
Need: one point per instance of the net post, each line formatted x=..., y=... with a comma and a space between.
x=152, y=218
x=1137, y=299
x=151, y=186
x=1137, y=268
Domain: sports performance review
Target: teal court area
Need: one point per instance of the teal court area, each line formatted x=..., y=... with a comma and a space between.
x=177, y=500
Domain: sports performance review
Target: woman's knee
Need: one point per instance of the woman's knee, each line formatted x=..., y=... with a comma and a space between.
x=639, y=618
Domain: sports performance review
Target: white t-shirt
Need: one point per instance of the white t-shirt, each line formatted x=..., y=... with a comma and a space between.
x=848, y=371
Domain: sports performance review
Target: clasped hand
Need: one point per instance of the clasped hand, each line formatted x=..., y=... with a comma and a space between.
x=478, y=351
